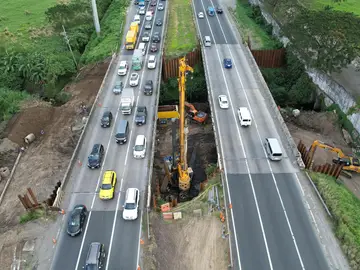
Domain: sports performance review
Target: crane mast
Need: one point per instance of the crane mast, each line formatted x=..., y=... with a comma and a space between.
x=184, y=177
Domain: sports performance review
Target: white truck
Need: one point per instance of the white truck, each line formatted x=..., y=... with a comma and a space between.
x=127, y=100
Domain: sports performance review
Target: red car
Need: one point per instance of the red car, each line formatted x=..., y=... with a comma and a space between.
x=153, y=47
x=152, y=10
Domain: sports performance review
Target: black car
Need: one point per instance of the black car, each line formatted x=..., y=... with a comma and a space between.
x=148, y=88
x=96, y=257
x=136, y=2
x=141, y=115
x=153, y=48
x=156, y=37
x=158, y=22
x=76, y=220
x=106, y=119
x=96, y=156
x=153, y=3
x=219, y=10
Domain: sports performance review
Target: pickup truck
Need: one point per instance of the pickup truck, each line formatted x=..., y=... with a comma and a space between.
x=127, y=101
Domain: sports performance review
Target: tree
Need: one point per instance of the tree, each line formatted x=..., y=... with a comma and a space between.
x=325, y=39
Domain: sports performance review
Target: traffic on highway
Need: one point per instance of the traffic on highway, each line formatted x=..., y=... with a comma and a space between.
x=272, y=229
x=102, y=227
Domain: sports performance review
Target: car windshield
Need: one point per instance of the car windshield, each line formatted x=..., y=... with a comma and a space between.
x=117, y=86
x=75, y=220
x=122, y=66
x=120, y=135
x=93, y=157
x=90, y=267
x=139, y=147
x=106, y=186
x=130, y=206
x=106, y=118
x=134, y=76
x=224, y=101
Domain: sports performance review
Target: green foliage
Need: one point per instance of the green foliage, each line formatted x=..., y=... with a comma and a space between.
x=10, y=102
x=108, y=42
x=325, y=39
x=340, y=5
x=181, y=32
x=290, y=86
x=196, y=90
x=31, y=215
x=345, y=209
x=252, y=24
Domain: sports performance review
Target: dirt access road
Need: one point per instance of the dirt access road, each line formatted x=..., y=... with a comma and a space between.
x=45, y=161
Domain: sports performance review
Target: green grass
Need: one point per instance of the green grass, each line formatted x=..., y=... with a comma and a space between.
x=347, y=6
x=32, y=215
x=109, y=42
x=249, y=28
x=18, y=15
x=181, y=31
x=10, y=102
x=345, y=208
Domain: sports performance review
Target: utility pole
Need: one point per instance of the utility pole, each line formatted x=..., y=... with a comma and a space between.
x=95, y=17
x=68, y=43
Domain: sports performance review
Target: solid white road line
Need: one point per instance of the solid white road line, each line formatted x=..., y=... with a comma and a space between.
x=242, y=146
x=260, y=139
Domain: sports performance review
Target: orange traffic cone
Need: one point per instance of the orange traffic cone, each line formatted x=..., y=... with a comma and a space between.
x=54, y=241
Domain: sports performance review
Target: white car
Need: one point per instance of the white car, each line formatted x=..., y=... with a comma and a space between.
x=151, y=62
x=131, y=206
x=161, y=6
x=140, y=147
x=145, y=37
x=123, y=68
x=142, y=11
x=223, y=102
x=201, y=15
x=134, y=79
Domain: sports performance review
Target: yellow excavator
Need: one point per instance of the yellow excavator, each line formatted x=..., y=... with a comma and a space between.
x=184, y=172
x=350, y=163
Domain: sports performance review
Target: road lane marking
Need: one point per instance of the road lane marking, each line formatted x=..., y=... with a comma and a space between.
x=243, y=148
x=262, y=146
x=113, y=226
x=98, y=182
x=128, y=148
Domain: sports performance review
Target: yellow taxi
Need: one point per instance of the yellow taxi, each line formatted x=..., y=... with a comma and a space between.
x=107, y=187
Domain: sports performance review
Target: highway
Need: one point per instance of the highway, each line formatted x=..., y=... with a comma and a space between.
x=104, y=221
x=271, y=228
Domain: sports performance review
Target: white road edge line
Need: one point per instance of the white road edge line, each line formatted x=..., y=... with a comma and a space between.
x=243, y=148
x=268, y=162
x=98, y=182
x=113, y=226
x=131, y=133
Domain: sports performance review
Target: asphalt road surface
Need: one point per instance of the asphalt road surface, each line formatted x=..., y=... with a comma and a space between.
x=271, y=227
x=104, y=221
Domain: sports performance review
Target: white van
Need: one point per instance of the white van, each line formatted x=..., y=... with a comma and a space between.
x=131, y=205
x=207, y=41
x=142, y=47
x=273, y=149
x=137, y=18
x=244, y=116
x=140, y=147
x=148, y=16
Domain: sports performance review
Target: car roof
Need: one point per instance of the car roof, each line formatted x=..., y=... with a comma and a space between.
x=123, y=62
x=223, y=97
x=107, y=177
x=139, y=139
x=151, y=57
x=96, y=148
x=106, y=113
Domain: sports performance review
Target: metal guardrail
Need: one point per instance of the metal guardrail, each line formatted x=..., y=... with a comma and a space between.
x=81, y=138
x=148, y=203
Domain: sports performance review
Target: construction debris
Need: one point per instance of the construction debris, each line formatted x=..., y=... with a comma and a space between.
x=213, y=199
x=177, y=215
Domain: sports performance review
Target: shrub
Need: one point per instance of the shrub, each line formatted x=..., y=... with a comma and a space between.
x=10, y=102
x=345, y=208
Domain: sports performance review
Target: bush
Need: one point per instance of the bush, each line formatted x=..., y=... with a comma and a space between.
x=10, y=102
x=345, y=209
x=31, y=215
x=108, y=42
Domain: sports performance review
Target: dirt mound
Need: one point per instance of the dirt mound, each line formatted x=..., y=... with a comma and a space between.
x=45, y=161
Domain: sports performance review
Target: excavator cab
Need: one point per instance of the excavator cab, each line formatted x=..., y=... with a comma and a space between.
x=196, y=115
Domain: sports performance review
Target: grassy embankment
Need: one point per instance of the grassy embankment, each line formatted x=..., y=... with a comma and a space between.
x=345, y=208
x=25, y=27
x=181, y=31
x=260, y=39
x=347, y=6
